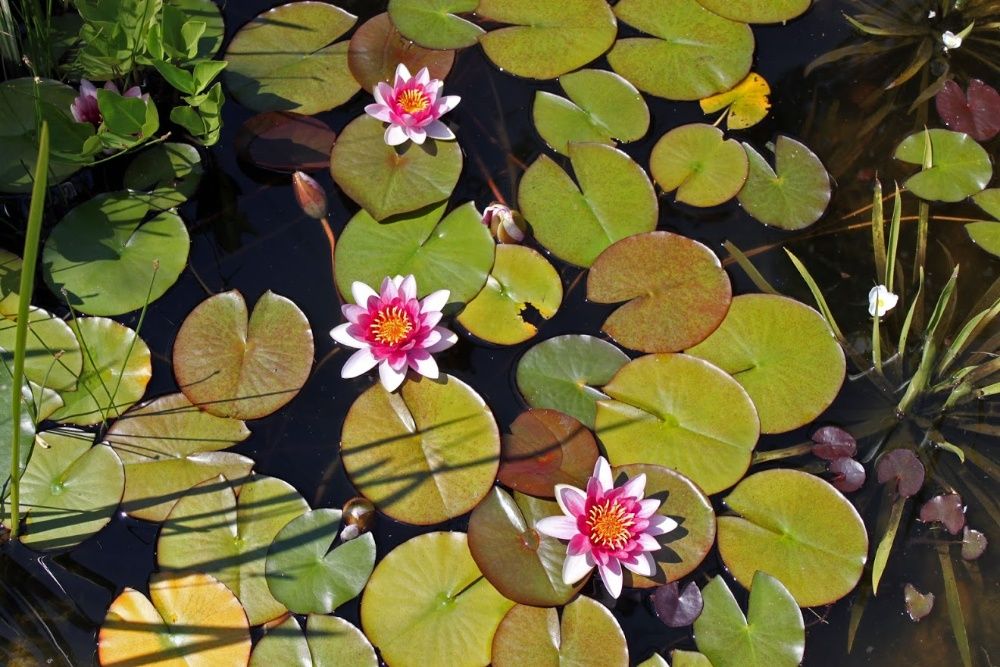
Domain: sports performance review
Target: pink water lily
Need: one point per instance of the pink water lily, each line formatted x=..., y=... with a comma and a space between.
x=412, y=107
x=85, y=109
x=393, y=330
x=608, y=527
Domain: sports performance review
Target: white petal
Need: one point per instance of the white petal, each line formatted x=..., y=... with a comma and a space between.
x=645, y=566
x=448, y=338
x=648, y=507
x=339, y=334
x=438, y=130
x=559, y=527
x=433, y=338
x=576, y=568
x=636, y=486
x=447, y=103
x=611, y=575
x=87, y=88
x=361, y=293
x=408, y=287
x=382, y=93
x=602, y=473
x=648, y=542
x=567, y=495
x=395, y=135
x=402, y=74
x=426, y=367
x=435, y=301
x=417, y=134
x=423, y=76
x=388, y=290
x=359, y=363
x=379, y=111
x=391, y=379
x=660, y=525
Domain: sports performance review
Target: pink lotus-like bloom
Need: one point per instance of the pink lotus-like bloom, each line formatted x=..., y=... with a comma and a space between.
x=607, y=527
x=85, y=109
x=393, y=330
x=412, y=107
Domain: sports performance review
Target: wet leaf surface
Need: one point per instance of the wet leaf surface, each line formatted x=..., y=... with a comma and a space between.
x=947, y=509
x=903, y=470
x=285, y=141
x=545, y=448
x=918, y=604
x=677, y=608
x=973, y=544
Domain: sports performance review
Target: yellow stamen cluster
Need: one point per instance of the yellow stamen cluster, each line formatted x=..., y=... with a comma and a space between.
x=391, y=326
x=413, y=100
x=609, y=524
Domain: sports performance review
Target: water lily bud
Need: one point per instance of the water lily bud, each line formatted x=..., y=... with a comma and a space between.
x=507, y=226
x=310, y=195
x=359, y=515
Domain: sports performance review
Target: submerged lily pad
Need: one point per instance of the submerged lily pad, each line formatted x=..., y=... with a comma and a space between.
x=792, y=195
x=427, y=599
x=285, y=141
x=52, y=355
x=783, y=354
x=545, y=448
x=677, y=291
x=799, y=528
x=587, y=634
x=959, y=167
x=758, y=11
x=545, y=40
x=288, y=59
x=424, y=454
x=704, y=168
x=693, y=53
x=433, y=24
x=377, y=47
x=166, y=175
x=327, y=641
x=614, y=199
x=918, y=604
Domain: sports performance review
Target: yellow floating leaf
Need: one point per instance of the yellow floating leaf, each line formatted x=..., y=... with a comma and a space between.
x=748, y=102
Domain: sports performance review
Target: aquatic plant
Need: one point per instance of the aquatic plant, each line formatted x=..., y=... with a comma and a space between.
x=412, y=106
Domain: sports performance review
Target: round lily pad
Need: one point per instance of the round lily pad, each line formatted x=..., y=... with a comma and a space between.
x=677, y=291
x=692, y=53
x=454, y=253
x=428, y=601
x=545, y=40
x=520, y=277
x=791, y=196
x=545, y=448
x=167, y=175
x=328, y=641
x=433, y=24
x=687, y=659
x=614, y=199
x=587, y=634
x=52, y=355
x=285, y=141
x=563, y=373
x=424, y=454
x=758, y=11
x=524, y=565
x=959, y=167
x=985, y=233
x=108, y=241
x=306, y=575
x=389, y=180
x=232, y=366
x=287, y=59
x=799, y=528
x=27, y=425
x=210, y=530
x=783, y=354
x=700, y=164
x=377, y=47
x=10, y=282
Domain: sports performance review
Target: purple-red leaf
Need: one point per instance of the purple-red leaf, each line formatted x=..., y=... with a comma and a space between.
x=677, y=608
x=946, y=509
x=918, y=604
x=902, y=467
x=973, y=544
x=833, y=443
x=976, y=112
x=848, y=474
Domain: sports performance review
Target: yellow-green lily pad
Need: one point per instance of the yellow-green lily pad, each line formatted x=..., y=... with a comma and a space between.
x=327, y=642
x=758, y=11
x=791, y=196
x=959, y=166
x=697, y=161
x=433, y=24
x=52, y=355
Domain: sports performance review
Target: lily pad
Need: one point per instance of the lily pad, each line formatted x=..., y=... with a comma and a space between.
x=10, y=282
x=520, y=277
x=704, y=168
x=679, y=412
x=800, y=528
x=287, y=59
x=166, y=175
x=286, y=142
x=772, y=634
x=454, y=253
x=918, y=604
x=187, y=620
x=327, y=642
x=169, y=446
x=587, y=634
x=748, y=102
x=232, y=366
x=977, y=113
x=783, y=354
x=546, y=40
x=902, y=470
x=545, y=448
x=52, y=356
x=424, y=454
x=677, y=608
x=450, y=609
x=602, y=107
x=693, y=53
x=791, y=196
x=210, y=530
x=986, y=233
x=959, y=167
x=677, y=291
x=524, y=565
x=389, y=180
x=689, y=659
x=614, y=199
x=308, y=576
x=433, y=24
x=377, y=47
x=108, y=241
x=832, y=443
x=563, y=373
x=758, y=11
x=7, y=427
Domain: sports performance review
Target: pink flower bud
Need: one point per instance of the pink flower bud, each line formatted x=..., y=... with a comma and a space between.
x=504, y=223
x=310, y=195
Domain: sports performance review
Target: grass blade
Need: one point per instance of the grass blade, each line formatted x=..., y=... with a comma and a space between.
x=878, y=230
x=922, y=376
x=904, y=332
x=885, y=545
x=755, y=276
x=897, y=217
x=821, y=303
x=955, y=613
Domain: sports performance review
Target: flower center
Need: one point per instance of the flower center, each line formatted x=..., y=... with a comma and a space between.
x=610, y=524
x=391, y=326
x=413, y=100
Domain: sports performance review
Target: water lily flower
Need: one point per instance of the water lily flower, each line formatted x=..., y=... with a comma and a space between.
x=85, y=109
x=607, y=527
x=393, y=330
x=881, y=301
x=412, y=107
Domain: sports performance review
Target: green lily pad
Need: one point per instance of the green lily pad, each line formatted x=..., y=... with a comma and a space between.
x=986, y=234
x=169, y=446
x=679, y=412
x=772, y=634
x=208, y=13
x=959, y=167
x=10, y=282
x=454, y=253
x=700, y=164
x=784, y=355
x=798, y=527
x=210, y=530
x=116, y=370
x=677, y=291
x=524, y=565
x=328, y=641
x=758, y=11
x=587, y=634
x=792, y=196
x=424, y=454
x=563, y=373
x=377, y=47
x=614, y=199
x=390, y=180
x=520, y=277
x=287, y=59
x=107, y=241
x=693, y=53
x=306, y=575
x=167, y=175
x=604, y=107
x=689, y=659
x=433, y=24
x=6, y=425
x=545, y=448
x=427, y=599
x=656, y=660
x=52, y=356
x=545, y=40
x=245, y=368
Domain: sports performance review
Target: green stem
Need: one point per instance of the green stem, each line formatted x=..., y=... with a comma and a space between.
x=784, y=453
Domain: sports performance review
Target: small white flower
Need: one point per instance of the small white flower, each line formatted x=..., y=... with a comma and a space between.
x=951, y=40
x=931, y=14
x=881, y=301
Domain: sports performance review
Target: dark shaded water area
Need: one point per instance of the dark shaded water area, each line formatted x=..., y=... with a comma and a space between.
x=249, y=234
